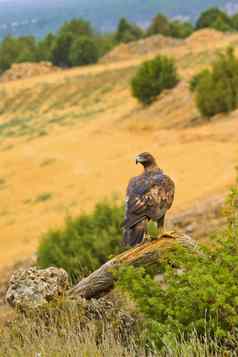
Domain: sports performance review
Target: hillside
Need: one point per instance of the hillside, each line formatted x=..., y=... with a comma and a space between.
x=24, y=17
x=68, y=140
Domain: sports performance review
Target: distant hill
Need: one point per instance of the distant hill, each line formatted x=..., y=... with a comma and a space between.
x=24, y=17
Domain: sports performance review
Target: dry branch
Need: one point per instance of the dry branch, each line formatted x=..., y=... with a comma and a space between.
x=102, y=280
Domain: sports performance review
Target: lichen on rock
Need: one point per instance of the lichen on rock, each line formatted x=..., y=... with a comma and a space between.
x=33, y=288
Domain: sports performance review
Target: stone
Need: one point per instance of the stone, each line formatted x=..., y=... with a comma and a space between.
x=33, y=288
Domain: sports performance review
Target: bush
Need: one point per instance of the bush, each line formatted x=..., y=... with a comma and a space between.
x=127, y=32
x=105, y=43
x=77, y=27
x=61, y=49
x=193, y=84
x=234, y=20
x=214, y=18
x=180, y=29
x=160, y=25
x=153, y=77
x=17, y=50
x=44, y=48
x=217, y=90
x=197, y=294
x=85, y=243
x=83, y=51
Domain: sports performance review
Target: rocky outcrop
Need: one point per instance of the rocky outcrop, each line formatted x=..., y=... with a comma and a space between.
x=32, y=288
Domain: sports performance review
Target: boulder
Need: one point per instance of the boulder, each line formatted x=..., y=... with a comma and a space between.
x=33, y=288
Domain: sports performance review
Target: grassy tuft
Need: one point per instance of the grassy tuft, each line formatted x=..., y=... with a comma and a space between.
x=43, y=197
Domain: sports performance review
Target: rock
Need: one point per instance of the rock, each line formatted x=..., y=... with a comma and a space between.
x=32, y=288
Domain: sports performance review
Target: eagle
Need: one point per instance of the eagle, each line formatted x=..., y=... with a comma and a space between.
x=149, y=197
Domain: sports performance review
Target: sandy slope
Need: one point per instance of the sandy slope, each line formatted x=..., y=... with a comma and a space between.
x=70, y=139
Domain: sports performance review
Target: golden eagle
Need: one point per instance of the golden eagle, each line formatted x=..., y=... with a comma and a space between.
x=149, y=196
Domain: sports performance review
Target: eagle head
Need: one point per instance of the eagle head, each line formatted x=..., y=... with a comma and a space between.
x=146, y=159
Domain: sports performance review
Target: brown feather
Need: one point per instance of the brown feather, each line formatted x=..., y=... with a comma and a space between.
x=149, y=196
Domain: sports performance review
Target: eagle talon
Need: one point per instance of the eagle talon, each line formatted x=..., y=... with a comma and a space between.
x=168, y=234
x=147, y=238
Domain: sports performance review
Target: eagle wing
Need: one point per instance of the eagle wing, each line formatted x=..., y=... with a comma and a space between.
x=148, y=196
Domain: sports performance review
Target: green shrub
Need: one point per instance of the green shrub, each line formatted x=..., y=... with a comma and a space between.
x=160, y=25
x=193, y=84
x=61, y=49
x=153, y=77
x=44, y=48
x=77, y=27
x=234, y=20
x=83, y=51
x=85, y=243
x=214, y=18
x=198, y=293
x=180, y=29
x=16, y=50
x=217, y=90
x=127, y=32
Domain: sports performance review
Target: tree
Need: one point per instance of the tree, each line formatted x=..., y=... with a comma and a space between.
x=45, y=47
x=221, y=26
x=61, y=49
x=213, y=18
x=16, y=50
x=83, y=51
x=105, y=43
x=159, y=25
x=8, y=52
x=77, y=27
x=127, y=32
x=153, y=77
x=234, y=20
x=179, y=29
x=27, y=49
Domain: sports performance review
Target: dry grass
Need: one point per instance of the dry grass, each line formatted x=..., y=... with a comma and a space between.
x=24, y=340
x=64, y=334
x=70, y=340
x=75, y=133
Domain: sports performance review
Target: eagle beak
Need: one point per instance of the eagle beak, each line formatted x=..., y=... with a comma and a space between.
x=138, y=160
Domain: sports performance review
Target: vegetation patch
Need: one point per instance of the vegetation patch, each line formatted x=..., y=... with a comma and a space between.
x=85, y=243
x=43, y=197
x=153, y=77
x=2, y=181
x=96, y=328
x=186, y=301
x=187, y=293
x=47, y=162
x=194, y=82
x=217, y=89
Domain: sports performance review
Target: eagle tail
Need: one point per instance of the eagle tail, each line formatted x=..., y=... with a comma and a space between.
x=134, y=235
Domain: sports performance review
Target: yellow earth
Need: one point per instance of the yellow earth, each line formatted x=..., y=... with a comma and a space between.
x=69, y=139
